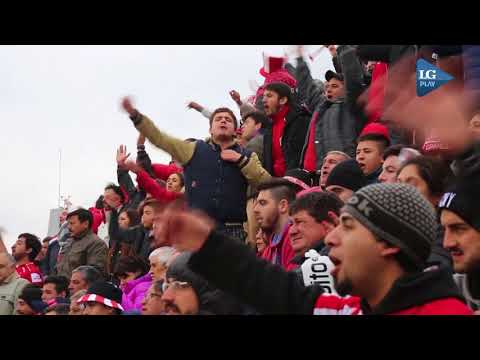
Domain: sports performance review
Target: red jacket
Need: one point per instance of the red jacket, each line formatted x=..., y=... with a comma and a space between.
x=146, y=183
x=376, y=92
x=279, y=252
x=98, y=218
x=164, y=171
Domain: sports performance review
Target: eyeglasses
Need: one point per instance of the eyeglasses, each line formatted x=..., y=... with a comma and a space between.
x=175, y=285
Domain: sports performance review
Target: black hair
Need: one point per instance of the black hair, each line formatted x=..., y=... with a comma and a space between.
x=32, y=242
x=83, y=215
x=60, y=282
x=281, y=189
x=394, y=150
x=378, y=138
x=133, y=216
x=32, y=292
x=435, y=172
x=48, y=238
x=227, y=110
x=406, y=263
x=116, y=189
x=181, y=177
x=317, y=205
x=128, y=264
x=153, y=203
x=283, y=90
x=402, y=259
x=258, y=117
x=99, y=203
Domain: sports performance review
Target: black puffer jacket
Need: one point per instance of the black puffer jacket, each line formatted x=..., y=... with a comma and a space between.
x=293, y=138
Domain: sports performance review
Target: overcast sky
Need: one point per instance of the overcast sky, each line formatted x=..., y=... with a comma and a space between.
x=68, y=97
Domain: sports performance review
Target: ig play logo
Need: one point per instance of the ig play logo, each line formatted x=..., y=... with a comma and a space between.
x=430, y=77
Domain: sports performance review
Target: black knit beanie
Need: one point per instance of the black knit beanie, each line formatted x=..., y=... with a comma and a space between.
x=347, y=174
x=399, y=215
x=462, y=198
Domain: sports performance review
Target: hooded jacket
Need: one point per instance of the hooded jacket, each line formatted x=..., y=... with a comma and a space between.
x=211, y=300
x=274, y=291
x=134, y=292
x=470, y=288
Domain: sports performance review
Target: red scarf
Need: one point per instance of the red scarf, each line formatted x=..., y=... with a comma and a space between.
x=279, y=121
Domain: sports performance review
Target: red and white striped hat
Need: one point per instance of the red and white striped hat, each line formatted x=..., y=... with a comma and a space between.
x=101, y=300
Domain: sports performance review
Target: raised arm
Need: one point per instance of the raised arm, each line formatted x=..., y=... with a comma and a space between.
x=142, y=156
x=148, y=184
x=201, y=109
x=163, y=171
x=308, y=90
x=232, y=267
x=123, y=177
x=177, y=148
x=352, y=72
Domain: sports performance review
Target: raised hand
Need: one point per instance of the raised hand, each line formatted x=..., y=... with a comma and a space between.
x=195, y=106
x=186, y=230
x=235, y=97
x=132, y=166
x=127, y=105
x=122, y=155
x=230, y=155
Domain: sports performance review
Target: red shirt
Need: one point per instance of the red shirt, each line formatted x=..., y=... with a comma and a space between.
x=279, y=164
x=30, y=272
x=279, y=251
x=310, y=161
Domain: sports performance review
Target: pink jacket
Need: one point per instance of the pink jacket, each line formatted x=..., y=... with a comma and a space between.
x=134, y=292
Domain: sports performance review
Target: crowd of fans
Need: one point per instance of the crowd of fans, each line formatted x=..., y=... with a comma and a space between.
x=345, y=195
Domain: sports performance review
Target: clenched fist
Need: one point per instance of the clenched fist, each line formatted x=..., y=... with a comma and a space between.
x=128, y=106
x=230, y=155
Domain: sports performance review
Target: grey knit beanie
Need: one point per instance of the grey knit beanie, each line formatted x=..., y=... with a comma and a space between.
x=398, y=214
